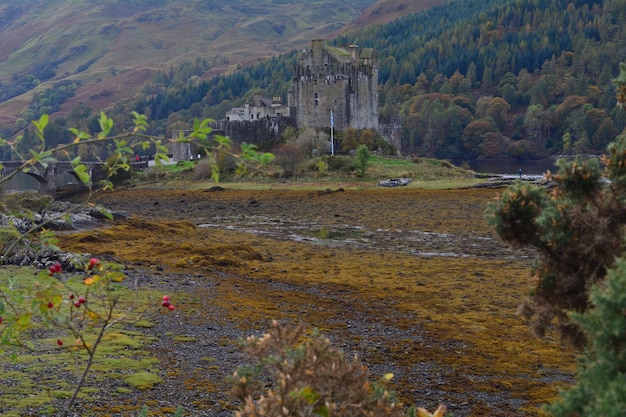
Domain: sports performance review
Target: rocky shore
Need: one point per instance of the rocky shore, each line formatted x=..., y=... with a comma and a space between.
x=52, y=215
x=413, y=282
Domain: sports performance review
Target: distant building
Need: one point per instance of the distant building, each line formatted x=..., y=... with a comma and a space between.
x=341, y=80
x=262, y=108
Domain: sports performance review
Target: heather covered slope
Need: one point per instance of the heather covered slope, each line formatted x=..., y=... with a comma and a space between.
x=125, y=42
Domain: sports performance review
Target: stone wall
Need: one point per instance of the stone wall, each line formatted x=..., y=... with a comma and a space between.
x=336, y=80
x=264, y=133
x=390, y=131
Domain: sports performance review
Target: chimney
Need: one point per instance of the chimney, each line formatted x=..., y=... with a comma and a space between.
x=316, y=49
x=354, y=52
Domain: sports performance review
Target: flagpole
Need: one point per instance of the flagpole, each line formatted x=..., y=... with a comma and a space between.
x=332, y=139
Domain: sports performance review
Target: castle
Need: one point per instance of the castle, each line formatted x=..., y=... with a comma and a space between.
x=326, y=79
x=338, y=80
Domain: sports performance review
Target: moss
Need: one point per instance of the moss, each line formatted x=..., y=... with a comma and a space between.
x=143, y=380
x=121, y=351
x=64, y=394
x=8, y=235
x=185, y=339
x=123, y=390
x=144, y=323
x=28, y=200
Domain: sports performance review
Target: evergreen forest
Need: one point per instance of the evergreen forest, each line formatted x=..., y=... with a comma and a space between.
x=525, y=79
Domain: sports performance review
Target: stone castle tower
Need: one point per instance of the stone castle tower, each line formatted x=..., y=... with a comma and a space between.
x=341, y=80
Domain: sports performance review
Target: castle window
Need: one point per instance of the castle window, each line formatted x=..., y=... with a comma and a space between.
x=317, y=102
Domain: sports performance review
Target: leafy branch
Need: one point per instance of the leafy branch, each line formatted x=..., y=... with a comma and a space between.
x=24, y=307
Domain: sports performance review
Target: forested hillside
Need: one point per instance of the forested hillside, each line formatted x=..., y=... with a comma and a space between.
x=113, y=48
x=518, y=78
x=471, y=78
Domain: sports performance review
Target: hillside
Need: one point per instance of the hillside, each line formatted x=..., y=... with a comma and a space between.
x=114, y=47
x=466, y=79
x=385, y=11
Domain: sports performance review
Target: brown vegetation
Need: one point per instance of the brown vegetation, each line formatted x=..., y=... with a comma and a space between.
x=411, y=281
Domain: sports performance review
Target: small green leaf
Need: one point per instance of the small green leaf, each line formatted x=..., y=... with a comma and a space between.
x=106, y=125
x=141, y=122
x=116, y=276
x=106, y=213
x=215, y=173
x=40, y=125
x=83, y=175
x=79, y=134
x=322, y=411
x=223, y=140
x=308, y=394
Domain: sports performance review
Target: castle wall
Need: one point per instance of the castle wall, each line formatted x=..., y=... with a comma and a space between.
x=364, y=101
x=346, y=85
x=264, y=133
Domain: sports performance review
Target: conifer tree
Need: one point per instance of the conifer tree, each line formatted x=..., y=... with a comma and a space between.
x=577, y=228
x=601, y=386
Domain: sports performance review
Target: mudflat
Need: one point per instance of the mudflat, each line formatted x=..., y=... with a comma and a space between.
x=412, y=281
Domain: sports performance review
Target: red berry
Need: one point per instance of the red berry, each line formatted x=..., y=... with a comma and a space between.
x=165, y=303
x=76, y=304
x=56, y=267
x=82, y=300
x=71, y=296
x=1, y=320
x=171, y=307
x=166, y=298
x=93, y=262
x=50, y=304
x=59, y=342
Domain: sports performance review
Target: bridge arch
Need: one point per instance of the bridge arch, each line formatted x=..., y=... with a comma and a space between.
x=47, y=176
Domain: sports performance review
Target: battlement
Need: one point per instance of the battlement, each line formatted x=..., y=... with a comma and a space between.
x=341, y=80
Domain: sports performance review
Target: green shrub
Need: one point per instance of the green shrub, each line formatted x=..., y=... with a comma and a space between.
x=339, y=163
x=309, y=378
x=8, y=235
x=577, y=229
x=202, y=170
x=601, y=387
x=362, y=159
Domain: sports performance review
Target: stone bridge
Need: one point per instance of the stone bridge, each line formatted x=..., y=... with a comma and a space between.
x=47, y=177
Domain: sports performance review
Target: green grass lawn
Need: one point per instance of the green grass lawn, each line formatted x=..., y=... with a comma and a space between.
x=424, y=173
